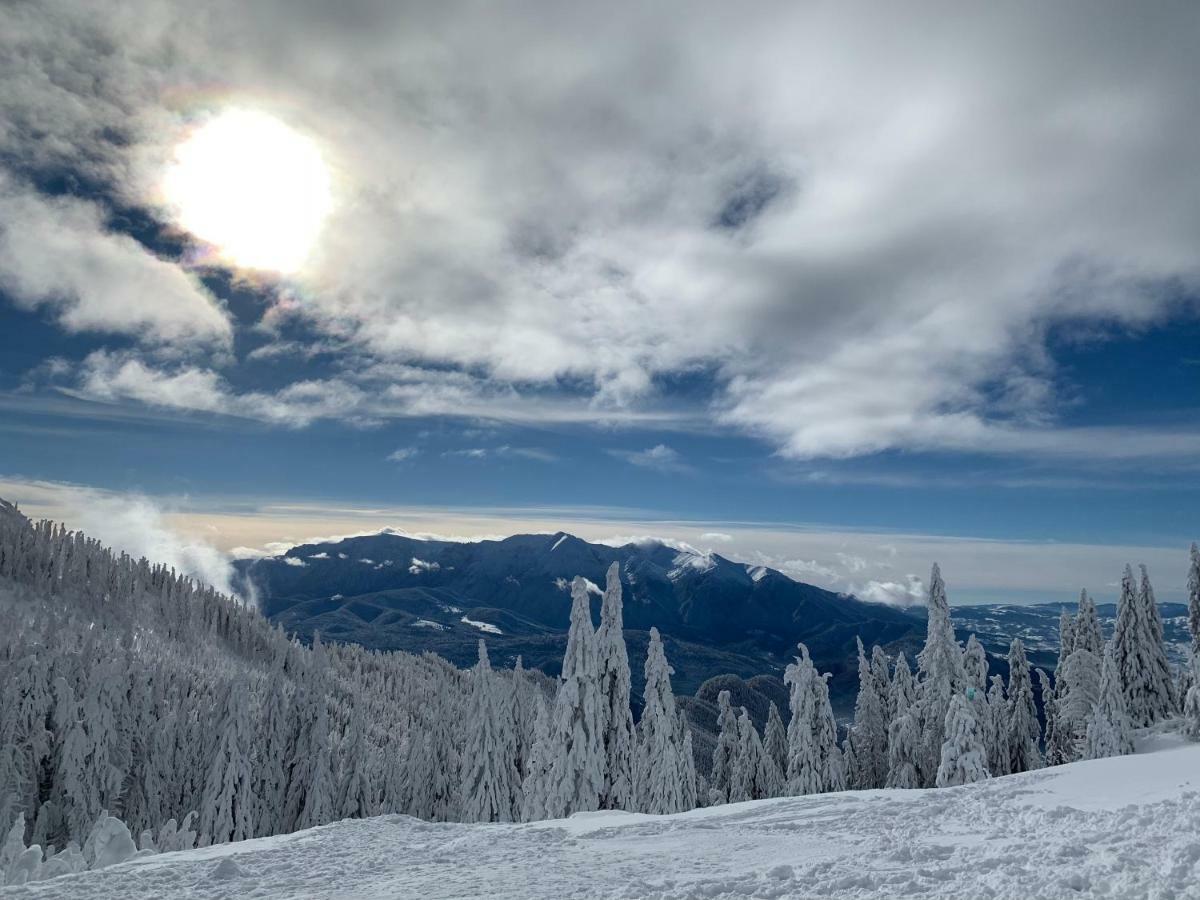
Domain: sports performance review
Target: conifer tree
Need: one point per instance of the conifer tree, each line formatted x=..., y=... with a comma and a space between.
x=1024, y=734
x=1050, y=713
x=576, y=775
x=533, y=788
x=664, y=773
x=869, y=732
x=963, y=759
x=942, y=675
x=904, y=747
x=617, y=723
x=1139, y=654
x=755, y=776
x=975, y=664
x=1109, y=731
x=1193, y=591
x=805, y=767
x=1078, y=695
x=775, y=740
x=725, y=752
x=1086, y=632
x=228, y=807
x=833, y=768
x=903, y=690
x=996, y=733
x=488, y=771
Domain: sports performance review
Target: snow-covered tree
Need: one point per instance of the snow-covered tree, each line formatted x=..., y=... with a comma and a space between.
x=1109, y=731
x=996, y=732
x=576, y=775
x=227, y=809
x=1191, y=704
x=1140, y=654
x=489, y=772
x=805, y=766
x=963, y=759
x=1086, y=631
x=869, y=735
x=904, y=748
x=1050, y=714
x=1193, y=590
x=755, y=776
x=975, y=664
x=940, y=664
x=618, y=732
x=1078, y=695
x=775, y=740
x=725, y=753
x=1024, y=734
x=664, y=771
x=903, y=691
x=533, y=800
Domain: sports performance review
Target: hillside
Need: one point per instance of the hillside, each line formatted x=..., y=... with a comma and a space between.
x=393, y=592
x=1121, y=827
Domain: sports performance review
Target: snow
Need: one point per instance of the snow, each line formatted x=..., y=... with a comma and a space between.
x=1123, y=827
x=690, y=559
x=486, y=627
x=428, y=623
x=556, y=543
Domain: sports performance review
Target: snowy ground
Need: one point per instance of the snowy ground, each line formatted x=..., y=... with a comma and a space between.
x=1115, y=828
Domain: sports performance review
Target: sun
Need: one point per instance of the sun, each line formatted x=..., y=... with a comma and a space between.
x=255, y=189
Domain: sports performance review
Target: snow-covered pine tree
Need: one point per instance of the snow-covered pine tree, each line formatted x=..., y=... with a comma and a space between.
x=541, y=751
x=1193, y=591
x=805, y=773
x=227, y=808
x=975, y=664
x=869, y=731
x=1161, y=702
x=662, y=772
x=755, y=776
x=1079, y=693
x=940, y=665
x=1136, y=656
x=618, y=733
x=904, y=747
x=488, y=770
x=996, y=733
x=833, y=768
x=1050, y=714
x=576, y=775
x=725, y=753
x=691, y=782
x=963, y=759
x=1024, y=733
x=524, y=718
x=355, y=797
x=775, y=741
x=1086, y=632
x=903, y=692
x=1109, y=731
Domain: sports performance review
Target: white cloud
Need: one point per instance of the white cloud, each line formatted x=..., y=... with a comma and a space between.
x=862, y=220
x=294, y=561
x=403, y=454
x=909, y=593
x=58, y=254
x=717, y=536
x=660, y=457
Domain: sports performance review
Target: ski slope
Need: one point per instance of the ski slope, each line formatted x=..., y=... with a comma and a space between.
x=1127, y=827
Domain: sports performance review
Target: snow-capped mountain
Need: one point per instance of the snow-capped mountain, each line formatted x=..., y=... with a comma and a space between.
x=718, y=616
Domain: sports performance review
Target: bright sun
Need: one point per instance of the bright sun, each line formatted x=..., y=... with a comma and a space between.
x=253, y=188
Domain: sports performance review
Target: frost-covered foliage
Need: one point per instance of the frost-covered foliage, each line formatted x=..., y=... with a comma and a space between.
x=869, y=734
x=963, y=759
x=665, y=773
x=755, y=774
x=1024, y=733
x=775, y=739
x=617, y=725
x=1140, y=654
x=941, y=676
x=1193, y=589
x=1109, y=731
x=489, y=777
x=725, y=753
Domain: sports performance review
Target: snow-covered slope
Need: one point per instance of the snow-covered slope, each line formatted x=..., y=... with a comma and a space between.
x=1127, y=827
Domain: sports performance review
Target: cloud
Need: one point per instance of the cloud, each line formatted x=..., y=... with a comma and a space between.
x=860, y=221
x=403, y=454
x=716, y=536
x=909, y=593
x=660, y=458
x=504, y=451
x=126, y=522
x=59, y=255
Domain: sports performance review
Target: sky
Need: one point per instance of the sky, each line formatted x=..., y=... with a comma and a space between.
x=842, y=288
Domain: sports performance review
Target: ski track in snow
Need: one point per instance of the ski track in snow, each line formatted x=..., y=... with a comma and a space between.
x=1127, y=827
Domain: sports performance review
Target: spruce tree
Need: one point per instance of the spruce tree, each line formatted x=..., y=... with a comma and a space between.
x=488, y=767
x=941, y=676
x=975, y=664
x=833, y=768
x=869, y=732
x=576, y=775
x=664, y=772
x=755, y=775
x=904, y=747
x=963, y=759
x=228, y=806
x=997, y=728
x=614, y=691
x=725, y=752
x=1050, y=713
x=805, y=767
x=1080, y=691
x=1109, y=731
x=1024, y=734
x=1193, y=590
x=1086, y=632
x=775, y=740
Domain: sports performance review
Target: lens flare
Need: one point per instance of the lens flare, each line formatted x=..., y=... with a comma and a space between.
x=253, y=188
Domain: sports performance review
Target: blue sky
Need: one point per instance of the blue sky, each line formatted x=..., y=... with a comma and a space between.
x=797, y=274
